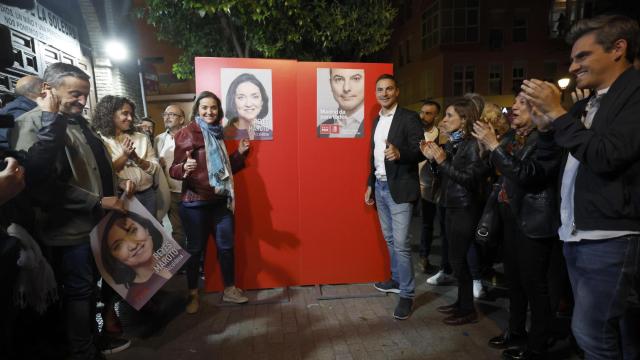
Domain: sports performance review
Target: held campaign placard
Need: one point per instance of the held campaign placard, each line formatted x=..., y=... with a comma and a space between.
x=134, y=253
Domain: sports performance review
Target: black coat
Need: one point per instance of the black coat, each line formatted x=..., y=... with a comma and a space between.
x=463, y=175
x=402, y=175
x=15, y=108
x=607, y=189
x=530, y=187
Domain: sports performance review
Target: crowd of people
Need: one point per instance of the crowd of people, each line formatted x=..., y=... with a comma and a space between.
x=62, y=174
x=519, y=184
x=555, y=190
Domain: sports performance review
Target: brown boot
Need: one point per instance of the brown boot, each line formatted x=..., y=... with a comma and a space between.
x=194, y=302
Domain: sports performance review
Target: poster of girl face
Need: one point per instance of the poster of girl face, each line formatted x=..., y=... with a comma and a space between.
x=247, y=103
x=134, y=254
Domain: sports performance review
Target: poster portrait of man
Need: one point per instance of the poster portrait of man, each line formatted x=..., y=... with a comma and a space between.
x=134, y=254
x=340, y=102
x=247, y=103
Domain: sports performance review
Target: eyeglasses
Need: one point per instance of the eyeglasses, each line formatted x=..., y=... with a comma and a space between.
x=170, y=115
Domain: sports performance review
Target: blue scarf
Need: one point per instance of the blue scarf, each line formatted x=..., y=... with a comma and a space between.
x=456, y=136
x=218, y=167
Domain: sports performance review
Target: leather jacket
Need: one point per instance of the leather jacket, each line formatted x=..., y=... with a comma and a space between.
x=462, y=175
x=195, y=187
x=530, y=188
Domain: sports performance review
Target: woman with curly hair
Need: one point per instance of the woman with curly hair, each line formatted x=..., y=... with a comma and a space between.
x=131, y=152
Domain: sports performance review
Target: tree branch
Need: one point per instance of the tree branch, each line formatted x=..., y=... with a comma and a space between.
x=226, y=24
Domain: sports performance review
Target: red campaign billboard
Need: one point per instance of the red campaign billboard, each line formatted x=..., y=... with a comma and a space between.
x=300, y=212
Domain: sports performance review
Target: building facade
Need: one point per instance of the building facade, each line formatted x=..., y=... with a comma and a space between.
x=72, y=31
x=443, y=49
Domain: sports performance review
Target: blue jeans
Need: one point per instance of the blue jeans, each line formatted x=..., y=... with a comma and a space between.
x=76, y=272
x=604, y=276
x=200, y=222
x=394, y=221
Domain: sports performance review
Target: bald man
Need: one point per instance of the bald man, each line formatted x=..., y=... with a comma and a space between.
x=28, y=89
x=174, y=120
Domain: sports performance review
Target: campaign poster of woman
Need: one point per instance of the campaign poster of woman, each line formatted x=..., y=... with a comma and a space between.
x=247, y=103
x=340, y=101
x=134, y=254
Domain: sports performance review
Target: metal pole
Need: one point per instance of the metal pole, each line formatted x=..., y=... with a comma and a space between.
x=144, y=100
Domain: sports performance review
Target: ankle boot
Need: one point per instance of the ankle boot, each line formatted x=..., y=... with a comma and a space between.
x=194, y=302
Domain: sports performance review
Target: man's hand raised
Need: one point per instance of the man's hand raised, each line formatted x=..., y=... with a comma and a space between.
x=48, y=102
x=544, y=96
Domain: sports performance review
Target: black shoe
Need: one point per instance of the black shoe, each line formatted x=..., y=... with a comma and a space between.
x=110, y=345
x=388, y=286
x=522, y=354
x=508, y=339
x=448, y=309
x=461, y=318
x=403, y=309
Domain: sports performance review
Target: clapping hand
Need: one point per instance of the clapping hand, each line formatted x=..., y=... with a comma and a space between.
x=433, y=152
x=129, y=148
x=485, y=134
x=543, y=123
x=579, y=94
x=544, y=96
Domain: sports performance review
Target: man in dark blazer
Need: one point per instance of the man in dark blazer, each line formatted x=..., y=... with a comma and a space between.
x=393, y=183
x=600, y=185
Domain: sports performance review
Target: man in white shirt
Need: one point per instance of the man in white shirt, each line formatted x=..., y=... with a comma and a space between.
x=393, y=186
x=174, y=120
x=599, y=210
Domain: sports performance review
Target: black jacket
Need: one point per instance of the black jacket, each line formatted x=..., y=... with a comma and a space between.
x=15, y=108
x=402, y=175
x=607, y=189
x=462, y=174
x=530, y=187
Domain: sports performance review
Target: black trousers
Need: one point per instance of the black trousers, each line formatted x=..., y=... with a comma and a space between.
x=526, y=266
x=426, y=236
x=460, y=226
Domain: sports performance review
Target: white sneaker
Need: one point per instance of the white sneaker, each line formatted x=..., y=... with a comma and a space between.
x=440, y=278
x=478, y=290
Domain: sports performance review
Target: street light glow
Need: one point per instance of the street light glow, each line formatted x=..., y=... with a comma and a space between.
x=116, y=50
x=563, y=83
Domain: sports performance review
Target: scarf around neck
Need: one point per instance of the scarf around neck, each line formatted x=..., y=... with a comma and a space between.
x=456, y=136
x=218, y=166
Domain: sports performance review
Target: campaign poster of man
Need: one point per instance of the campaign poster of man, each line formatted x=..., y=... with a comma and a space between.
x=134, y=254
x=247, y=103
x=340, y=102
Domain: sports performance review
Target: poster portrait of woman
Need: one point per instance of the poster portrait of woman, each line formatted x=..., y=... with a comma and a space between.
x=247, y=103
x=134, y=254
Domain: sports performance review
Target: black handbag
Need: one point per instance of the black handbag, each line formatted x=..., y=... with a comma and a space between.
x=489, y=227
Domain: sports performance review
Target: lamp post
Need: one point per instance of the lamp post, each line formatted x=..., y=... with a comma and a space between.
x=117, y=51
